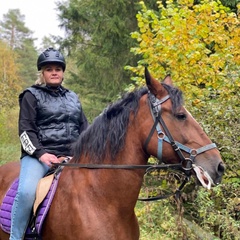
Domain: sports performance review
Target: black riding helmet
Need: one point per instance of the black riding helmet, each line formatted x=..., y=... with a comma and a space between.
x=50, y=55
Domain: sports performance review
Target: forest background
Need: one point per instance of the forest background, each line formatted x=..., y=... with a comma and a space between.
x=107, y=44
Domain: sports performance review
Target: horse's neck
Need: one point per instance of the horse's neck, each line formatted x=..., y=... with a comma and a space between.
x=117, y=185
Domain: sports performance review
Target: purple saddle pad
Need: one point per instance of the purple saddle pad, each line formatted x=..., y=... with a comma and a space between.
x=6, y=207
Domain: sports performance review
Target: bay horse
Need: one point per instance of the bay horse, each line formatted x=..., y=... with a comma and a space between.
x=97, y=203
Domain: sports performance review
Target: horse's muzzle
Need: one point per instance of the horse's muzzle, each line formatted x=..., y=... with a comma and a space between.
x=220, y=172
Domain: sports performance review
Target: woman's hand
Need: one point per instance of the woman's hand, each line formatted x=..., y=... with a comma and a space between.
x=48, y=159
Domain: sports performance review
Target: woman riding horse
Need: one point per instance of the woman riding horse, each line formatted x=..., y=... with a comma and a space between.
x=98, y=202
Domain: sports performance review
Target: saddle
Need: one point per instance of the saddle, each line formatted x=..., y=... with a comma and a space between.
x=44, y=195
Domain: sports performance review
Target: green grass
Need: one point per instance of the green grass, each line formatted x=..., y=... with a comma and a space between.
x=9, y=152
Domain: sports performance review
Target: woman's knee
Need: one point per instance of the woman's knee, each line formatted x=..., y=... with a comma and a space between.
x=26, y=194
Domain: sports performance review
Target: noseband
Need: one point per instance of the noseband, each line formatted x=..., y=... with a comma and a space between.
x=165, y=135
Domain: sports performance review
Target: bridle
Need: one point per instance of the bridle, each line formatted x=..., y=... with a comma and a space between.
x=185, y=165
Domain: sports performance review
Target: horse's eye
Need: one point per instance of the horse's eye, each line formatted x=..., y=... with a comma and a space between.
x=181, y=116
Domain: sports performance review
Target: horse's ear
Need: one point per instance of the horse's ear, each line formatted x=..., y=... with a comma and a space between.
x=153, y=85
x=168, y=80
x=147, y=76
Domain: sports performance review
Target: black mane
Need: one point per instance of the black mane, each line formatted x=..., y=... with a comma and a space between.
x=176, y=97
x=108, y=130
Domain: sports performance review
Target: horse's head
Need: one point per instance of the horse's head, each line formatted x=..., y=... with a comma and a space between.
x=175, y=136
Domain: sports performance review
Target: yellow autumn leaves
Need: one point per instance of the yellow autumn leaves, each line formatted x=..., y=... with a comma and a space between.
x=197, y=44
x=10, y=84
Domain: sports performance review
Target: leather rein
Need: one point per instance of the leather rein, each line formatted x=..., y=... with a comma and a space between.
x=185, y=165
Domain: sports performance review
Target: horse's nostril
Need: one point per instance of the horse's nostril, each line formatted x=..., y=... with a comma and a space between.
x=221, y=168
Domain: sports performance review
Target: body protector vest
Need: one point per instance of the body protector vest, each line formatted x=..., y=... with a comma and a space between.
x=58, y=118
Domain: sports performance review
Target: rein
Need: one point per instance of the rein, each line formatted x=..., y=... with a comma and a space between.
x=148, y=167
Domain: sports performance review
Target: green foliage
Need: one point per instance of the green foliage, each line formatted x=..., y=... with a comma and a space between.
x=9, y=82
x=157, y=221
x=48, y=42
x=27, y=61
x=98, y=41
x=224, y=132
x=9, y=125
x=9, y=152
x=10, y=144
x=19, y=38
x=219, y=209
x=231, y=4
x=13, y=28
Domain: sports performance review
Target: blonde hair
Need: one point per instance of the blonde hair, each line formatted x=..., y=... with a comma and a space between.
x=40, y=79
